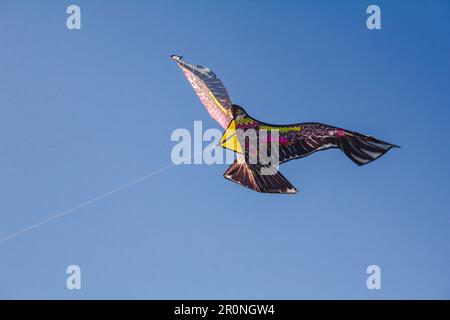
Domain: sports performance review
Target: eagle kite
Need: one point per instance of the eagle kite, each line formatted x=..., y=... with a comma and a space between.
x=250, y=138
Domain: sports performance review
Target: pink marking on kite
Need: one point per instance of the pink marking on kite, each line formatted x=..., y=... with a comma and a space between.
x=284, y=140
x=340, y=133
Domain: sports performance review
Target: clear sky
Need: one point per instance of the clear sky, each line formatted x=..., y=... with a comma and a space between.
x=86, y=111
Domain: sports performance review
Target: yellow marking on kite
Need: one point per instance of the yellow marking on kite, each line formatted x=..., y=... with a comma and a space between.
x=217, y=102
x=281, y=129
x=244, y=121
x=230, y=140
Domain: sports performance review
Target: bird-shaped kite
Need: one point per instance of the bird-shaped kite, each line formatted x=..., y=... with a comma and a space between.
x=250, y=138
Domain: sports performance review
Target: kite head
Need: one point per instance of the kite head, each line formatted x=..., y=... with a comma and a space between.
x=238, y=112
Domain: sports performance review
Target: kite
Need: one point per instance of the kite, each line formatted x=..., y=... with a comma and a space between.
x=261, y=147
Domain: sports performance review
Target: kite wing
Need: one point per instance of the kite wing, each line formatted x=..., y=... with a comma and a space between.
x=301, y=140
x=209, y=89
x=306, y=138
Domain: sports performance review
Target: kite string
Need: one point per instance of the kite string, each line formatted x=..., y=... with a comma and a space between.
x=97, y=198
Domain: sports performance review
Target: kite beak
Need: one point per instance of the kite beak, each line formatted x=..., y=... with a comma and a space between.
x=230, y=139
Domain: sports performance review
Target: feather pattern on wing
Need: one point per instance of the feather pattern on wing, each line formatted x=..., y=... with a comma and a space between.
x=210, y=90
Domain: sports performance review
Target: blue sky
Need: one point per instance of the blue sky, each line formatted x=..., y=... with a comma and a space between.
x=84, y=112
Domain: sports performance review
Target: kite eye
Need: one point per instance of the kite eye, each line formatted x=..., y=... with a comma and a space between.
x=238, y=110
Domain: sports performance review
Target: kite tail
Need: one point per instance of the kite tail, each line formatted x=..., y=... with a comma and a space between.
x=251, y=176
x=362, y=149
